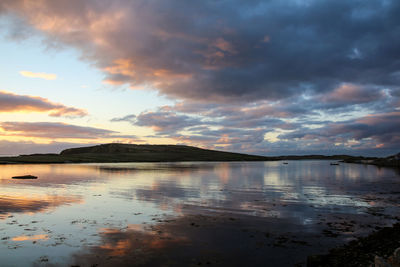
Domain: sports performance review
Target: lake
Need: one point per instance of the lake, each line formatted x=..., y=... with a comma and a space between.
x=192, y=213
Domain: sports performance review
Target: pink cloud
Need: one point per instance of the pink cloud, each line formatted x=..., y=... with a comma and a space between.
x=352, y=93
x=10, y=102
x=57, y=130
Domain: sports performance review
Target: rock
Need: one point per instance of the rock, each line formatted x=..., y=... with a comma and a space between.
x=380, y=262
x=396, y=255
x=394, y=260
x=25, y=177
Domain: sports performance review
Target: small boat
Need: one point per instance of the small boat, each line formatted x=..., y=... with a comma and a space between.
x=25, y=177
x=285, y=163
x=332, y=163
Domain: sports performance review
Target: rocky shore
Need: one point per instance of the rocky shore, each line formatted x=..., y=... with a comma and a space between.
x=379, y=249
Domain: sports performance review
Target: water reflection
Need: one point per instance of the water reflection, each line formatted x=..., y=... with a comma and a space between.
x=53, y=175
x=10, y=204
x=141, y=212
x=30, y=238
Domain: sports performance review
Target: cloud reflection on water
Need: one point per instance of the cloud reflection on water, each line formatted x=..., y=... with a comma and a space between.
x=10, y=204
x=124, y=207
x=253, y=187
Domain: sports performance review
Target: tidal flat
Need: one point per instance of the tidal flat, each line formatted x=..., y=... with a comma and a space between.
x=190, y=213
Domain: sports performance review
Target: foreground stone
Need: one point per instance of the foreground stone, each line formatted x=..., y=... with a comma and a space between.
x=25, y=177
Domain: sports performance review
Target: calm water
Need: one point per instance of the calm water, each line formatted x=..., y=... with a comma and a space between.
x=144, y=213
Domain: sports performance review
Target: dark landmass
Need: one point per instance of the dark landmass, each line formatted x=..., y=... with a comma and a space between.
x=365, y=251
x=132, y=153
x=391, y=161
x=172, y=153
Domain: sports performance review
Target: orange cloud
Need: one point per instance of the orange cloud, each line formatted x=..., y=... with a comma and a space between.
x=55, y=130
x=10, y=102
x=121, y=66
x=41, y=75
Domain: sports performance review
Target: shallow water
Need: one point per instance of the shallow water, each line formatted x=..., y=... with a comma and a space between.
x=146, y=213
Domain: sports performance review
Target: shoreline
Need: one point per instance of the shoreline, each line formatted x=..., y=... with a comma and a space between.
x=363, y=251
x=118, y=153
x=37, y=162
x=59, y=159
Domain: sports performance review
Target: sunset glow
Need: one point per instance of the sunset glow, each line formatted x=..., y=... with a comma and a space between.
x=253, y=77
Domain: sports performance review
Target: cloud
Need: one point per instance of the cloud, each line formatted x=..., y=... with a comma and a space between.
x=375, y=130
x=244, y=128
x=29, y=147
x=187, y=114
x=128, y=118
x=41, y=75
x=240, y=70
x=10, y=102
x=229, y=128
x=165, y=122
x=216, y=48
x=347, y=94
x=56, y=130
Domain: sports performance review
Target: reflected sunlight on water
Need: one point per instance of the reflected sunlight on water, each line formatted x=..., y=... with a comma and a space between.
x=114, y=208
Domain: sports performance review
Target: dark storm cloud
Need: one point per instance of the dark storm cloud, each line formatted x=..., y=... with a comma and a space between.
x=237, y=50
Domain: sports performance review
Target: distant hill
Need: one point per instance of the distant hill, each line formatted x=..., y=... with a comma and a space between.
x=133, y=153
x=116, y=152
x=391, y=161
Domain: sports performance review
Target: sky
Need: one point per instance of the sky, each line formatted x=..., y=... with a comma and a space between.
x=271, y=77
